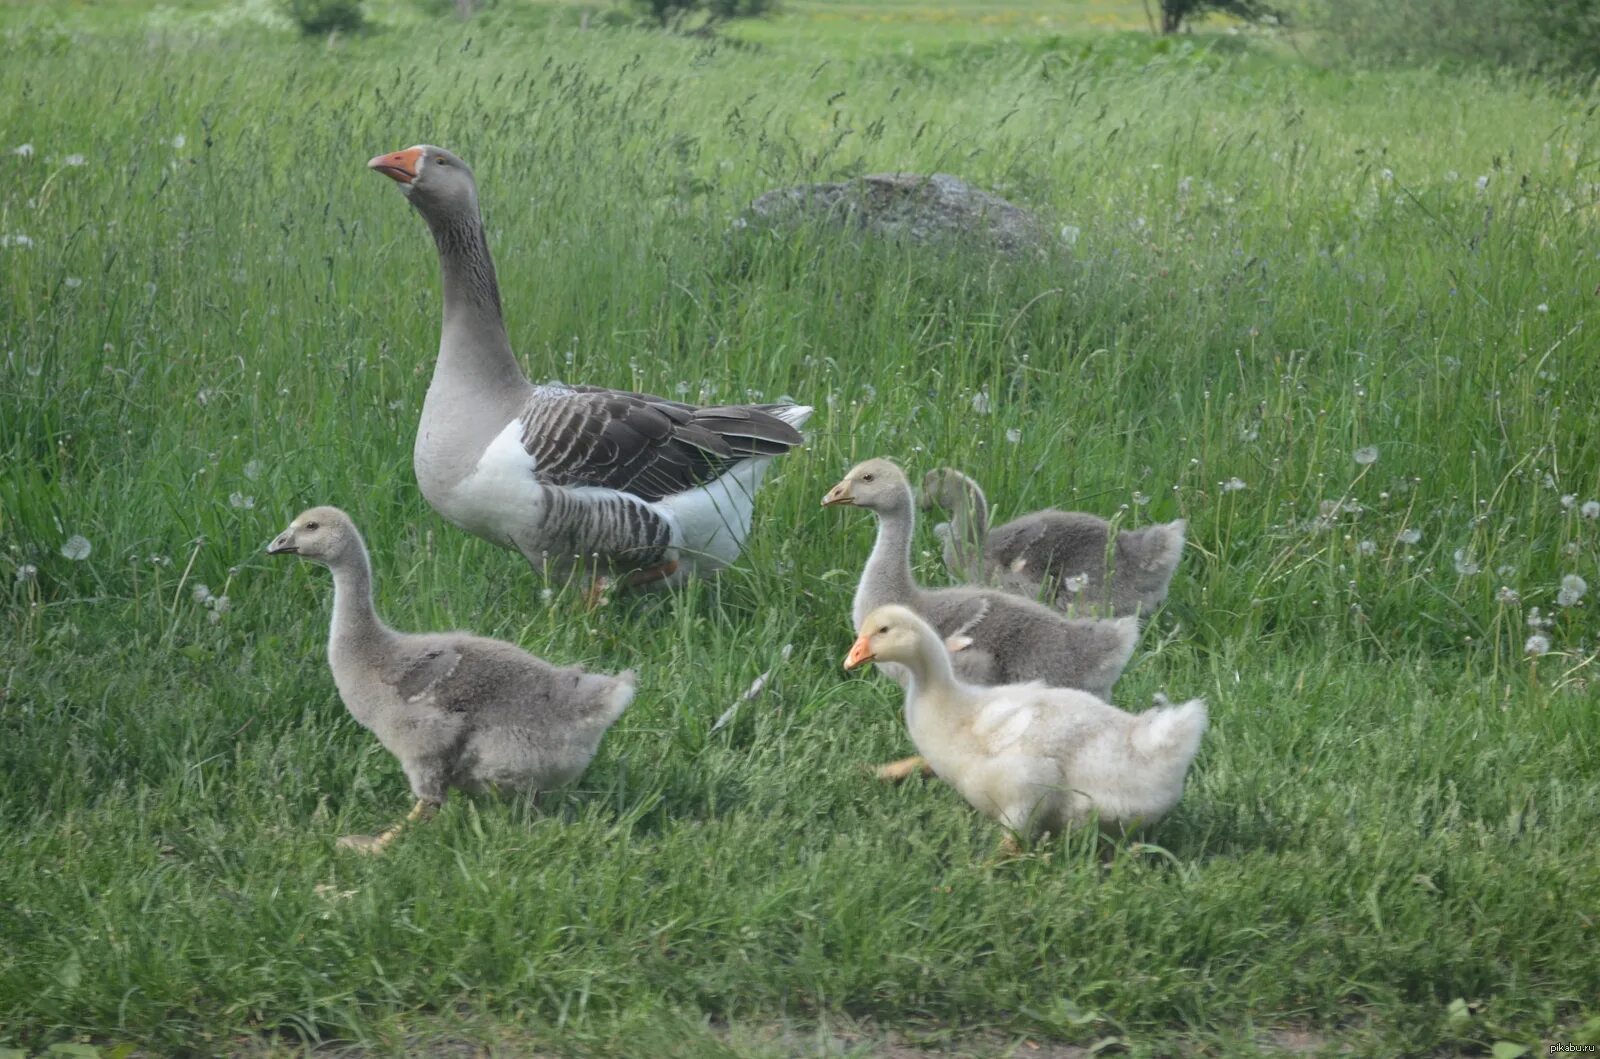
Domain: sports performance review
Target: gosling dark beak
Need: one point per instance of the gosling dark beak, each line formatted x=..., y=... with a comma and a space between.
x=839, y=494
x=283, y=544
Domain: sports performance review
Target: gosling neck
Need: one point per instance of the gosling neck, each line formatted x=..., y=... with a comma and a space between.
x=356, y=627
x=969, y=528
x=887, y=576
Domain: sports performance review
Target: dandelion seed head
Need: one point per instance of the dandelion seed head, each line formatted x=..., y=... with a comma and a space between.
x=179, y=140
x=1483, y=183
x=1366, y=455
x=240, y=501
x=1140, y=499
x=1465, y=565
x=1590, y=509
x=1536, y=645
x=1366, y=548
x=1508, y=596
x=17, y=239
x=1409, y=535
x=1013, y=435
x=76, y=547
x=252, y=470
x=27, y=572
x=1076, y=583
x=1567, y=500
x=1542, y=307
x=75, y=160
x=980, y=402
x=221, y=604
x=23, y=150
x=72, y=282
x=1572, y=590
x=202, y=593
x=1233, y=485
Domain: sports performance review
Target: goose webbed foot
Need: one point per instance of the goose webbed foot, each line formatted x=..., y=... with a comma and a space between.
x=905, y=768
x=375, y=844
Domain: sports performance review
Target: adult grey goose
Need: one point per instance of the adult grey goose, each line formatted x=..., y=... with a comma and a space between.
x=576, y=478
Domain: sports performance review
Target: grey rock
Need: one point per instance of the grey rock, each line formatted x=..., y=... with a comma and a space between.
x=904, y=206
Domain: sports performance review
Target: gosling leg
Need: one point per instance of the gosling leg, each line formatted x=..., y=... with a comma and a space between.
x=375, y=844
x=895, y=771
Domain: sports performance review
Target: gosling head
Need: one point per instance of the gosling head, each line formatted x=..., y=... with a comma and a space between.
x=321, y=534
x=889, y=634
x=438, y=183
x=877, y=485
x=944, y=487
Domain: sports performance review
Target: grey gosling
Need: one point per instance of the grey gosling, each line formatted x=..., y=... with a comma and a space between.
x=994, y=637
x=458, y=710
x=1059, y=557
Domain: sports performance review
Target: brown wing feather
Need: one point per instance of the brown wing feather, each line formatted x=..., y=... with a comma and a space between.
x=640, y=444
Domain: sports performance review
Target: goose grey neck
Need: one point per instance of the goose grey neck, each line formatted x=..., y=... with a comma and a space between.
x=468, y=269
x=969, y=525
x=356, y=625
x=888, y=571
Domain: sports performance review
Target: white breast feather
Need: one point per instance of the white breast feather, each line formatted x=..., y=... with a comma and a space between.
x=501, y=494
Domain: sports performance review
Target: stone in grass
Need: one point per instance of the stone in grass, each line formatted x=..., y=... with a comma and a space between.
x=907, y=207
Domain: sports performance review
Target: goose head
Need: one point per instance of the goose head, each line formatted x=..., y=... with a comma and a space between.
x=321, y=534
x=437, y=182
x=943, y=487
x=877, y=485
x=889, y=634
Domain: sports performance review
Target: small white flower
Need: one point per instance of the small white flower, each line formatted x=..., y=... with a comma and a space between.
x=178, y=141
x=1366, y=456
x=1366, y=548
x=1408, y=536
x=980, y=401
x=1537, y=645
x=1590, y=509
x=76, y=548
x=1233, y=485
x=202, y=593
x=1466, y=566
x=23, y=150
x=75, y=160
x=1573, y=588
x=1013, y=435
x=1508, y=596
x=239, y=500
x=27, y=572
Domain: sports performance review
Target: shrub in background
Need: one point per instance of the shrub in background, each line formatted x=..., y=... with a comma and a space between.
x=1555, y=36
x=670, y=12
x=1174, y=13
x=319, y=17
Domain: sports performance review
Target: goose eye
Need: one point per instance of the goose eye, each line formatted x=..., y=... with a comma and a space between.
x=883, y=628
x=868, y=477
x=312, y=525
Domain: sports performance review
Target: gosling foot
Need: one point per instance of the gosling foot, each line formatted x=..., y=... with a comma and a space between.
x=905, y=768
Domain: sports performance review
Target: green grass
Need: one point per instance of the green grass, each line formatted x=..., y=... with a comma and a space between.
x=1388, y=838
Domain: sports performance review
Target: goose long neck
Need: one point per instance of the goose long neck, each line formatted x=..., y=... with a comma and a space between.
x=969, y=524
x=473, y=344
x=357, y=629
x=887, y=577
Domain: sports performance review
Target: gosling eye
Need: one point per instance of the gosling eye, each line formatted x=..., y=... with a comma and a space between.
x=312, y=525
x=883, y=629
x=868, y=477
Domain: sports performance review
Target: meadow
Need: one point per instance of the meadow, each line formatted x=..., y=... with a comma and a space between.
x=1336, y=318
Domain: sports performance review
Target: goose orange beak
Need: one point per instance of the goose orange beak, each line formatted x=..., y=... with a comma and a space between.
x=860, y=653
x=839, y=494
x=401, y=166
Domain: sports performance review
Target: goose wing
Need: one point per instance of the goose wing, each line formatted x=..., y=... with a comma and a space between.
x=640, y=444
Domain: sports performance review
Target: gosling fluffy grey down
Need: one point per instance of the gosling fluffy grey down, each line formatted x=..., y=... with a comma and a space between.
x=1059, y=557
x=995, y=637
x=458, y=710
